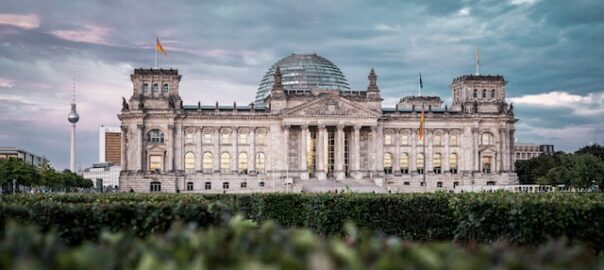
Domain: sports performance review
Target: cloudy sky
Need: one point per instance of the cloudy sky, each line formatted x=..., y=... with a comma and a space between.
x=550, y=51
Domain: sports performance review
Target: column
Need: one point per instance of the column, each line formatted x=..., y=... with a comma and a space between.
x=124, y=152
x=430, y=155
x=216, y=155
x=286, y=149
x=356, y=153
x=372, y=150
x=414, y=151
x=141, y=153
x=303, y=152
x=475, y=156
x=169, y=163
x=235, y=154
x=320, y=153
x=339, y=173
x=379, y=150
x=445, y=156
x=198, y=150
x=252, y=155
x=396, y=159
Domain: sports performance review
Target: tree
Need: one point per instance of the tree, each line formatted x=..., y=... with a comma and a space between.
x=16, y=169
x=530, y=171
x=594, y=149
x=50, y=177
x=578, y=170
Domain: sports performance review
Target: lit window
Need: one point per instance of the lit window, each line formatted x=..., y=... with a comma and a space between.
x=155, y=136
x=388, y=139
x=453, y=163
x=405, y=139
x=225, y=162
x=189, y=186
x=207, y=138
x=260, y=165
x=189, y=161
x=243, y=138
x=453, y=139
x=155, y=187
x=145, y=88
x=155, y=89
x=243, y=163
x=388, y=163
x=165, y=88
x=420, y=162
x=486, y=164
x=436, y=163
x=155, y=162
x=404, y=162
x=207, y=161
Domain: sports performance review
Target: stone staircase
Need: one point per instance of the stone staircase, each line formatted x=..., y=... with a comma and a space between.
x=350, y=185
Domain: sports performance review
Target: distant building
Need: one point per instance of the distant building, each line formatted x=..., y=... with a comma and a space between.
x=29, y=158
x=525, y=151
x=103, y=175
x=110, y=145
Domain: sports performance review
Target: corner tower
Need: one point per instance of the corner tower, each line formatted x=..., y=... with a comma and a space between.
x=155, y=89
x=479, y=93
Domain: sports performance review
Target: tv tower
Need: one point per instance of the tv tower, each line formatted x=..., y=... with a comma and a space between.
x=73, y=118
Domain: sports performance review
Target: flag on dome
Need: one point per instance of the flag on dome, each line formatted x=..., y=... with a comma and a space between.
x=160, y=48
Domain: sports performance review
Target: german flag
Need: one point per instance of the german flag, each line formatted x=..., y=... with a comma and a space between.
x=160, y=48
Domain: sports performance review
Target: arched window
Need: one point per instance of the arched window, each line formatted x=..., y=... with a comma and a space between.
x=260, y=165
x=420, y=163
x=437, y=163
x=155, y=136
x=242, y=162
x=453, y=163
x=486, y=138
x=225, y=162
x=453, y=139
x=475, y=95
x=484, y=93
x=155, y=88
x=404, y=162
x=165, y=88
x=207, y=162
x=189, y=161
x=405, y=138
x=388, y=163
x=145, y=88
x=493, y=93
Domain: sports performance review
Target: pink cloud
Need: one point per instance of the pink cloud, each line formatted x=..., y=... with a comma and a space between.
x=6, y=83
x=89, y=34
x=29, y=21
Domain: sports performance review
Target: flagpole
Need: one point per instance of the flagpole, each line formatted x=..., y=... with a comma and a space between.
x=424, y=146
x=155, y=58
x=419, y=86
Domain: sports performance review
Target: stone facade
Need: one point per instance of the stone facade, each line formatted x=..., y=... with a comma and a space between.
x=314, y=140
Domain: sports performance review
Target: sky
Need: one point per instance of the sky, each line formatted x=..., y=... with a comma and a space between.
x=551, y=52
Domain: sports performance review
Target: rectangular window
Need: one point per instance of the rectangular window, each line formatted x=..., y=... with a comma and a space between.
x=406, y=183
x=208, y=185
x=452, y=139
x=190, y=186
x=261, y=184
x=437, y=140
x=439, y=184
x=387, y=139
x=155, y=187
x=243, y=184
x=260, y=138
x=207, y=138
x=455, y=184
x=405, y=139
x=155, y=162
x=225, y=138
x=225, y=185
x=243, y=138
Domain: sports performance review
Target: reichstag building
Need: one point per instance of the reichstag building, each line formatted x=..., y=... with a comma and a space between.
x=308, y=131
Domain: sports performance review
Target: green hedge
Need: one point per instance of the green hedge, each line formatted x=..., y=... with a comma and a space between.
x=241, y=244
x=525, y=219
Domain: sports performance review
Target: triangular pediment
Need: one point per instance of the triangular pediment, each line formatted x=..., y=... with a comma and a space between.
x=335, y=106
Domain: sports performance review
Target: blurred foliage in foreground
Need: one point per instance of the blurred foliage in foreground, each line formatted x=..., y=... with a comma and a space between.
x=242, y=244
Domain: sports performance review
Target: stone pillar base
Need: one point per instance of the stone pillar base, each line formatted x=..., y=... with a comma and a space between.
x=304, y=176
x=340, y=175
x=321, y=175
x=356, y=175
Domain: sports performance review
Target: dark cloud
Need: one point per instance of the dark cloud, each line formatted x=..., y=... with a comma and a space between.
x=227, y=46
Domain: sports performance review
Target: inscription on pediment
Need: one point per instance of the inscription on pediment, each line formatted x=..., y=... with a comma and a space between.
x=333, y=107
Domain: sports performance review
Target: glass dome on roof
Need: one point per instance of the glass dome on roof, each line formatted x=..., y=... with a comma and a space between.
x=303, y=72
